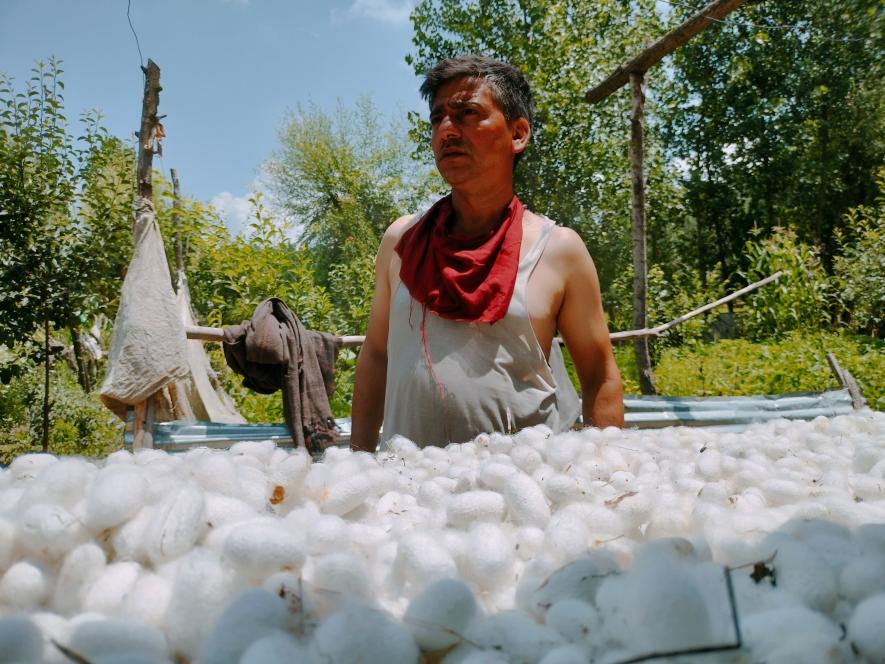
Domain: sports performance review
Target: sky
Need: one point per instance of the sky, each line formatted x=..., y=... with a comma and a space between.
x=229, y=71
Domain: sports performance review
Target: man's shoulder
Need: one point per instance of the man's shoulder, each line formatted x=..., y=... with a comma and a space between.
x=399, y=226
x=563, y=243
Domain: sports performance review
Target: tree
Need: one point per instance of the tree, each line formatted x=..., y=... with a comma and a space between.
x=778, y=126
x=55, y=206
x=344, y=179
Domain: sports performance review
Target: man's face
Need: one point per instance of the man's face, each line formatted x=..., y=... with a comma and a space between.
x=471, y=138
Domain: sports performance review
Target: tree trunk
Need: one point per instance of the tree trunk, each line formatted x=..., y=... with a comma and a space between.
x=46, y=404
x=83, y=376
x=640, y=260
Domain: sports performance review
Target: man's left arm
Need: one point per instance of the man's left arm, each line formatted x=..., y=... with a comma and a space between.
x=581, y=322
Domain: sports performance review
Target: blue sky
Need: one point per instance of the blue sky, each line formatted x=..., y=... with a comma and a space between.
x=229, y=71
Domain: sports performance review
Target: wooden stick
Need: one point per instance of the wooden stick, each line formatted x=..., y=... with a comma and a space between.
x=148, y=121
x=714, y=11
x=217, y=334
x=847, y=381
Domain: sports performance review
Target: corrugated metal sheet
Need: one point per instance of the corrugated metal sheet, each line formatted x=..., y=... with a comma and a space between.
x=641, y=412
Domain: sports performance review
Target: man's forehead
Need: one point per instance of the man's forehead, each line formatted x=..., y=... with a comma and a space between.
x=463, y=91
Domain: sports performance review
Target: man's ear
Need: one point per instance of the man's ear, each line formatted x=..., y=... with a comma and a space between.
x=521, y=132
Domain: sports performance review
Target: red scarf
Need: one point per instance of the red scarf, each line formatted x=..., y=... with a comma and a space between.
x=458, y=277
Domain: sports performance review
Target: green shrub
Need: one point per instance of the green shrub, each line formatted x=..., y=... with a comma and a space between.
x=799, y=300
x=80, y=424
x=795, y=364
x=859, y=270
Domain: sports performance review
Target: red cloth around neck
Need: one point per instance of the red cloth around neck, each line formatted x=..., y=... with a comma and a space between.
x=459, y=277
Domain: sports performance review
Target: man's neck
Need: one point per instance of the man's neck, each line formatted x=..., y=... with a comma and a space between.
x=477, y=212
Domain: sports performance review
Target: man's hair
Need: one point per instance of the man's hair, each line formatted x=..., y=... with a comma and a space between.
x=509, y=87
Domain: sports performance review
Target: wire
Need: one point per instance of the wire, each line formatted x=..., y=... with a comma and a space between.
x=674, y=3
x=131, y=27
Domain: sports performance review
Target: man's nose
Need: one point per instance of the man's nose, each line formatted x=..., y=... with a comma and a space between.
x=447, y=127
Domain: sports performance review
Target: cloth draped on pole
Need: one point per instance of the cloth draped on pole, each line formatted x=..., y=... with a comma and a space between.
x=148, y=346
x=274, y=351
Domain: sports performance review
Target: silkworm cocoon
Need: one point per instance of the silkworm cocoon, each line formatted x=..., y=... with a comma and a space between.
x=60, y=483
x=277, y=646
x=529, y=541
x=465, y=508
x=382, y=479
x=489, y=560
x=315, y=481
x=575, y=620
x=301, y=611
x=222, y=509
x=431, y=494
x=262, y=450
x=347, y=494
x=567, y=537
x=870, y=536
x=494, y=474
x=421, y=558
x=257, y=549
x=526, y=501
x=665, y=609
x=500, y=444
x=766, y=631
x=216, y=471
x=569, y=654
x=145, y=457
x=252, y=614
x=564, y=451
x=366, y=630
x=95, y=639
x=467, y=654
x=49, y=531
x=526, y=458
x=561, y=488
x=327, y=534
x=402, y=448
x=514, y=635
x=341, y=577
x=79, y=570
x=129, y=540
x=7, y=542
x=20, y=641
x=343, y=467
x=440, y=614
x=804, y=574
x=27, y=466
x=106, y=594
x=199, y=592
x=176, y=525
x=578, y=580
x=253, y=486
x=783, y=492
x=116, y=496
x=866, y=628
x=366, y=537
x=53, y=628
x=148, y=600
x=25, y=585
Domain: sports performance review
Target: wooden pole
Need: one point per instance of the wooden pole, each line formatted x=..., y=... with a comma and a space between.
x=640, y=258
x=149, y=121
x=649, y=57
x=143, y=424
x=176, y=221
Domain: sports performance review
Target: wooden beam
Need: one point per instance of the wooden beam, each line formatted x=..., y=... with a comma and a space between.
x=664, y=46
x=149, y=121
x=176, y=223
x=640, y=252
x=847, y=381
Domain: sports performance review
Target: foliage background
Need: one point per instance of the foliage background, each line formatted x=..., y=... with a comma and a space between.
x=764, y=148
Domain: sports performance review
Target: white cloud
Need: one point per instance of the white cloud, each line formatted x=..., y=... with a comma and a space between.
x=387, y=11
x=234, y=210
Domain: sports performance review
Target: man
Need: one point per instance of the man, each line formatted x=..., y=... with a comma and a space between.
x=470, y=295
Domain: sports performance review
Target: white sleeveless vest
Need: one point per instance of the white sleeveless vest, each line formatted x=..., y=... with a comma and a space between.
x=475, y=377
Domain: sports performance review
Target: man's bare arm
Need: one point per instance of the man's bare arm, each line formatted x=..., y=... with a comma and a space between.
x=367, y=410
x=581, y=323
